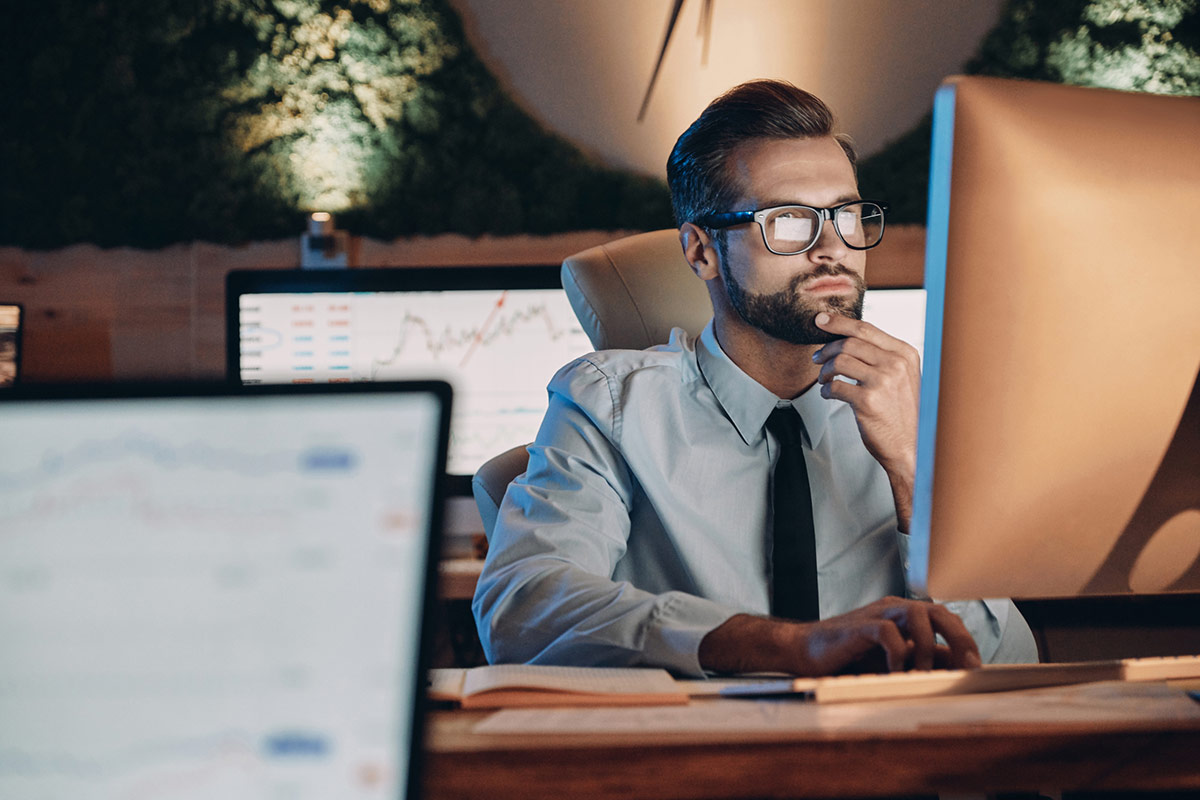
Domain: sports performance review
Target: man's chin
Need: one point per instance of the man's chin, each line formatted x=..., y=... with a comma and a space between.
x=790, y=316
x=849, y=304
x=805, y=336
x=800, y=327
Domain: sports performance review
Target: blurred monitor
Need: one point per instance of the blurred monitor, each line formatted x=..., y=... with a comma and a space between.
x=899, y=312
x=10, y=344
x=497, y=334
x=216, y=592
x=1059, y=441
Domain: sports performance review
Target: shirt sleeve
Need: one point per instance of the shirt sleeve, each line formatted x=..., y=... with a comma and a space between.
x=546, y=594
x=999, y=629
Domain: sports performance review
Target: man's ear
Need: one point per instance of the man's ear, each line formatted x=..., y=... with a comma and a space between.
x=700, y=251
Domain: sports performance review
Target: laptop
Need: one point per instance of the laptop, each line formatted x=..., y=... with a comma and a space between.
x=217, y=592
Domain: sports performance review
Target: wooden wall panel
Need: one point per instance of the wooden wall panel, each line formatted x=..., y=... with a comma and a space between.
x=70, y=305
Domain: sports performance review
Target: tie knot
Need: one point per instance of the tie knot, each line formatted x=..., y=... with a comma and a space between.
x=786, y=426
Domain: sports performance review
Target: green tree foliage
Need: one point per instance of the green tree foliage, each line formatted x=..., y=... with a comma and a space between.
x=1147, y=46
x=145, y=123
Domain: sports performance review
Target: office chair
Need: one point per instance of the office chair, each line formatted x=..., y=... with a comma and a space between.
x=627, y=294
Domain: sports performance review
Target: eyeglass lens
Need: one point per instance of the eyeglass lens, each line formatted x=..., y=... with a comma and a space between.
x=793, y=229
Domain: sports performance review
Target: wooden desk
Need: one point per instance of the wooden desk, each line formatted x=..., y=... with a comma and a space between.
x=1089, y=750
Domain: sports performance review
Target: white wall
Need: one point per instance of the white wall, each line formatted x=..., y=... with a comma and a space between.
x=581, y=67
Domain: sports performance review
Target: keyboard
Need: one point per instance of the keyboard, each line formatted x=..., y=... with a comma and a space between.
x=988, y=678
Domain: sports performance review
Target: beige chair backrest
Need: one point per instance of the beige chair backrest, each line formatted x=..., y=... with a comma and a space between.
x=627, y=294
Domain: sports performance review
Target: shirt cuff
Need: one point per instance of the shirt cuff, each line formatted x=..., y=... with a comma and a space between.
x=999, y=630
x=681, y=623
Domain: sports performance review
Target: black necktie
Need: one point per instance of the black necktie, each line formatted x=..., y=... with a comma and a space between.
x=794, y=547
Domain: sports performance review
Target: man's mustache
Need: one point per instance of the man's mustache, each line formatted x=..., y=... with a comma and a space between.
x=824, y=270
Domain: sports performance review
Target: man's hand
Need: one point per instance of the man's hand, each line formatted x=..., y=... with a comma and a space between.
x=885, y=400
x=888, y=635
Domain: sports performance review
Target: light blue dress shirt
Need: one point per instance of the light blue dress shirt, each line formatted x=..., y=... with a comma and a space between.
x=644, y=522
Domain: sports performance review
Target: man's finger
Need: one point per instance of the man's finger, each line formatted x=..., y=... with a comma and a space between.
x=847, y=366
x=895, y=646
x=857, y=328
x=964, y=651
x=853, y=348
x=914, y=618
x=845, y=391
x=942, y=657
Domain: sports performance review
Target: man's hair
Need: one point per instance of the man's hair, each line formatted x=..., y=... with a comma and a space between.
x=697, y=170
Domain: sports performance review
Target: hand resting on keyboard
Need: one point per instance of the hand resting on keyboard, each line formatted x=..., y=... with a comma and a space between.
x=890, y=634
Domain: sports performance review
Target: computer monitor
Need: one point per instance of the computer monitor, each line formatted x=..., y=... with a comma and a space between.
x=217, y=592
x=10, y=344
x=899, y=312
x=497, y=334
x=1059, y=438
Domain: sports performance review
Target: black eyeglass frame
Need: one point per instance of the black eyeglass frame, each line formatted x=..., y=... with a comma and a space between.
x=728, y=219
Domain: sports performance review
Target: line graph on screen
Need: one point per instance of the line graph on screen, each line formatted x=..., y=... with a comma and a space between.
x=497, y=347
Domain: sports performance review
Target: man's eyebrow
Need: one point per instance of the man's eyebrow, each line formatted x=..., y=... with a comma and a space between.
x=846, y=198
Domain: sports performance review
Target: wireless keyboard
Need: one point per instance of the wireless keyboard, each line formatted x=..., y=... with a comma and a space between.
x=988, y=678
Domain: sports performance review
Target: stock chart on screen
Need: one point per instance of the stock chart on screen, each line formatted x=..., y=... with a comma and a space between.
x=498, y=346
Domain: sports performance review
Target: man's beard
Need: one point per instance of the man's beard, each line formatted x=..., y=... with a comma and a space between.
x=790, y=316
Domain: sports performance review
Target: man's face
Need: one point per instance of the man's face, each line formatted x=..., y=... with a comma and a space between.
x=781, y=295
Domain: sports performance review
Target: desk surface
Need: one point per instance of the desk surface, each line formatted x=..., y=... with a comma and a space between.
x=1101, y=737
x=457, y=577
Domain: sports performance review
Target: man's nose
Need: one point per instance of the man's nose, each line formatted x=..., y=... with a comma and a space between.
x=829, y=246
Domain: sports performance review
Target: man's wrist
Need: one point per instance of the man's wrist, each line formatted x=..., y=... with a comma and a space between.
x=747, y=643
x=903, y=482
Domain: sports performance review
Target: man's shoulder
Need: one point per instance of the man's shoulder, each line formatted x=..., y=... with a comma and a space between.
x=670, y=363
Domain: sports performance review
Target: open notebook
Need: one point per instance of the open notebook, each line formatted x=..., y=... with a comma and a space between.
x=216, y=593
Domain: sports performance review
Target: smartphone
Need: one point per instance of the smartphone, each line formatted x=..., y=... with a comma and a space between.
x=10, y=344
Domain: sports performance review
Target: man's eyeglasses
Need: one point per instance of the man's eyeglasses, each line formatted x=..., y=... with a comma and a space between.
x=791, y=230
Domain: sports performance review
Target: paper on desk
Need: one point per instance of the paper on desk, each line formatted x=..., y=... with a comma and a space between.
x=699, y=716
x=1115, y=702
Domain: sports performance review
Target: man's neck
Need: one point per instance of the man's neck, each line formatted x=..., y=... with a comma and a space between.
x=786, y=369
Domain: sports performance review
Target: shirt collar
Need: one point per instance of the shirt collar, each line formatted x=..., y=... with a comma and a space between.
x=747, y=402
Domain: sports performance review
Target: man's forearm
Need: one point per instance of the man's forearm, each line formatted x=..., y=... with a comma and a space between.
x=745, y=643
x=546, y=611
x=903, y=481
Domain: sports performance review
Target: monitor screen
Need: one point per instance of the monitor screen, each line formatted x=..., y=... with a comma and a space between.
x=899, y=312
x=10, y=344
x=1059, y=437
x=216, y=593
x=497, y=334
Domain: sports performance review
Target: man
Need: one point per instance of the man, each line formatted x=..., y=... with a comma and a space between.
x=644, y=531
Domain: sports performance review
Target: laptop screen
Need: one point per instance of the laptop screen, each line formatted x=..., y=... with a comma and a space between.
x=497, y=334
x=208, y=594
